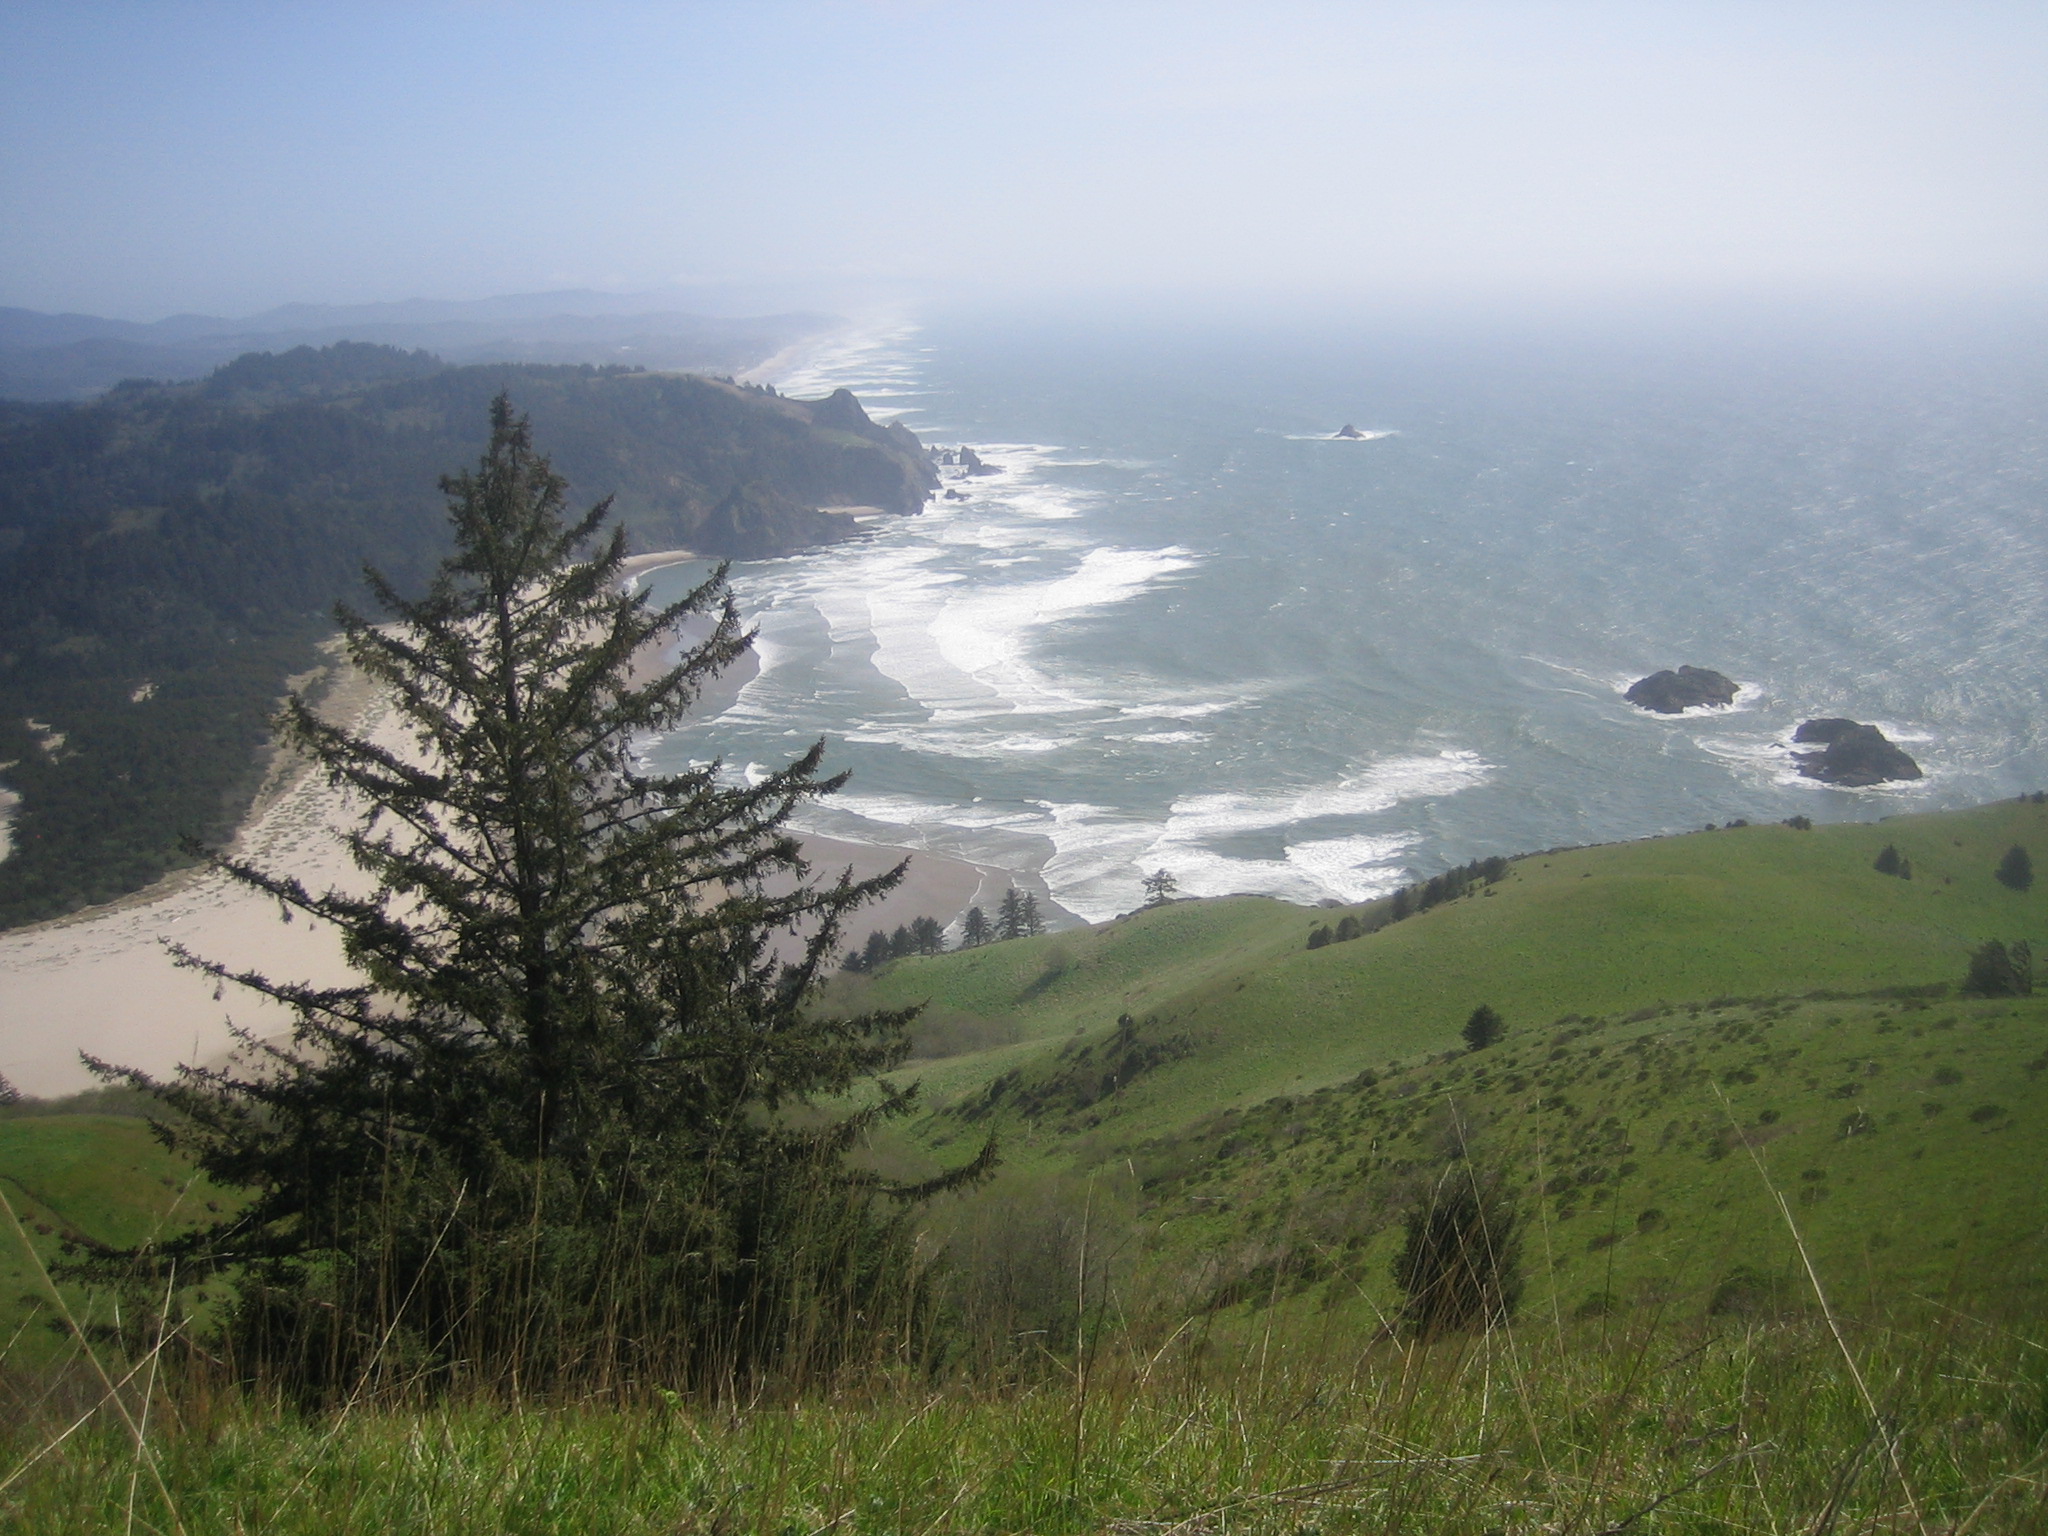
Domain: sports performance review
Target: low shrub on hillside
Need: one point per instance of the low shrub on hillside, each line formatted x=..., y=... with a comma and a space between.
x=1461, y=1263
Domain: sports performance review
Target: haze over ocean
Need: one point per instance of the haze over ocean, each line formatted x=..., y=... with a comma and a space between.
x=1180, y=627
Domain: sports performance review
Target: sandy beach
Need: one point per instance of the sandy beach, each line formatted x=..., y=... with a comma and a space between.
x=654, y=560
x=103, y=981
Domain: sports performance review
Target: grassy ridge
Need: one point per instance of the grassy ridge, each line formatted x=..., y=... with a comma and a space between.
x=1757, y=911
x=1668, y=1070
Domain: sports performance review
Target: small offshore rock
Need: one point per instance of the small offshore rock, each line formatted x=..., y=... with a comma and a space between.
x=1855, y=756
x=1670, y=693
x=1347, y=430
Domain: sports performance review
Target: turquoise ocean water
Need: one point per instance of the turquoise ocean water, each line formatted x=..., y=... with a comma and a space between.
x=1181, y=627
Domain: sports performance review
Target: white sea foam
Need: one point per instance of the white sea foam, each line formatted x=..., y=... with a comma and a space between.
x=950, y=612
x=916, y=601
x=985, y=632
x=1331, y=437
x=867, y=357
x=1173, y=709
x=1768, y=758
x=1747, y=697
x=1355, y=868
x=1093, y=858
x=1380, y=787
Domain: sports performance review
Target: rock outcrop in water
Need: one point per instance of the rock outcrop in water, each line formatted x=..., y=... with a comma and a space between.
x=1669, y=693
x=1347, y=430
x=1854, y=756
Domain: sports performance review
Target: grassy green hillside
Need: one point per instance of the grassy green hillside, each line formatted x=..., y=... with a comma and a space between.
x=90, y=1178
x=1739, y=1080
x=1238, y=1081
x=1247, y=1113
x=1904, y=1136
x=1745, y=912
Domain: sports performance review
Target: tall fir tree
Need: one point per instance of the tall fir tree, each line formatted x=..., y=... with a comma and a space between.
x=545, y=1137
x=1010, y=915
x=974, y=929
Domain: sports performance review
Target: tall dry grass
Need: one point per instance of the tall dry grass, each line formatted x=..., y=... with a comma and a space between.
x=1293, y=1417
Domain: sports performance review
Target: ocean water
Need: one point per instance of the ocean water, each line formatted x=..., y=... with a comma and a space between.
x=1181, y=627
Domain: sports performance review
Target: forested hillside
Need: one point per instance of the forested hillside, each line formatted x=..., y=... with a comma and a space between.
x=169, y=554
x=74, y=357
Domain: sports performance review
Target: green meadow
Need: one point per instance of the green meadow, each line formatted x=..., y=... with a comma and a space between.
x=1774, y=1179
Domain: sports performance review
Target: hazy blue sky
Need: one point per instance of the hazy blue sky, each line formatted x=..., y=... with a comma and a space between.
x=221, y=157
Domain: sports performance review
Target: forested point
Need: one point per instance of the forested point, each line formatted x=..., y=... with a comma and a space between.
x=171, y=554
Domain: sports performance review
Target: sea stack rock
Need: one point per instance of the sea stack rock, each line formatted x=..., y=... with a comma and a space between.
x=1854, y=756
x=1670, y=693
x=1347, y=430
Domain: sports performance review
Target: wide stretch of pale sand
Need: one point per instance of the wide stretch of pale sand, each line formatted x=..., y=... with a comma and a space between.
x=103, y=981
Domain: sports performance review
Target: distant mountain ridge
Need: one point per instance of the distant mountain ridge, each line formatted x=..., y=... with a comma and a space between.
x=75, y=356
x=169, y=554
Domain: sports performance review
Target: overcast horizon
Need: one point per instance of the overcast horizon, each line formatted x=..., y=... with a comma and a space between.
x=226, y=158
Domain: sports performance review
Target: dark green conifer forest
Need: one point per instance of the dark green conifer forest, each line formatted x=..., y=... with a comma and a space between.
x=170, y=555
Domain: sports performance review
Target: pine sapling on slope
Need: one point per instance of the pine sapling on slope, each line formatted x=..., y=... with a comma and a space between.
x=1484, y=1027
x=1460, y=1265
x=2016, y=870
x=545, y=1138
x=1998, y=969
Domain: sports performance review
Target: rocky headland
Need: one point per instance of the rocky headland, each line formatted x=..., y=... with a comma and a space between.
x=968, y=461
x=1671, y=693
x=1853, y=755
